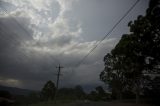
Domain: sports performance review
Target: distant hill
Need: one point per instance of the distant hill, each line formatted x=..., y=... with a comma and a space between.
x=16, y=91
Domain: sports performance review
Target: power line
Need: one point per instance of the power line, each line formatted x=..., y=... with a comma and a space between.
x=109, y=32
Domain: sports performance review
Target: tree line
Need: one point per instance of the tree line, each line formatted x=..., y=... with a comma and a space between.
x=48, y=93
x=72, y=94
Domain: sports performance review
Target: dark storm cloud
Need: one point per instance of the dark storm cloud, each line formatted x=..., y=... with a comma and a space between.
x=29, y=68
x=34, y=67
x=15, y=63
x=31, y=50
x=11, y=36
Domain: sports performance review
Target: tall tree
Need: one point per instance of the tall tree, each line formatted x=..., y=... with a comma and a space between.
x=137, y=52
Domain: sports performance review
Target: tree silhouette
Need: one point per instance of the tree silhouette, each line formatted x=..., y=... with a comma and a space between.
x=48, y=91
x=136, y=54
x=113, y=74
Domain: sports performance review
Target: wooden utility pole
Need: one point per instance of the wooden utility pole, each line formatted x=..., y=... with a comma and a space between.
x=58, y=75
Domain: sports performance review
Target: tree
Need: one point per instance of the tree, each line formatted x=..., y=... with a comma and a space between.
x=48, y=91
x=113, y=74
x=98, y=94
x=100, y=90
x=132, y=62
x=79, y=92
x=136, y=54
x=101, y=94
x=152, y=91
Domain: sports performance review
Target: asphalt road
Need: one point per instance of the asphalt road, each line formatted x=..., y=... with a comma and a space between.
x=91, y=104
x=105, y=104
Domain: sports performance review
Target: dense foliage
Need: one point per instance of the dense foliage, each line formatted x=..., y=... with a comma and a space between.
x=48, y=91
x=134, y=63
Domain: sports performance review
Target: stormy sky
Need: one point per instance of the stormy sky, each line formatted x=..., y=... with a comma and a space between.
x=37, y=35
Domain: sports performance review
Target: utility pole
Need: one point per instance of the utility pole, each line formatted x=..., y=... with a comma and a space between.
x=58, y=75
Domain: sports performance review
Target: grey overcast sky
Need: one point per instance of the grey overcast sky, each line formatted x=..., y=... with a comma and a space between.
x=50, y=32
